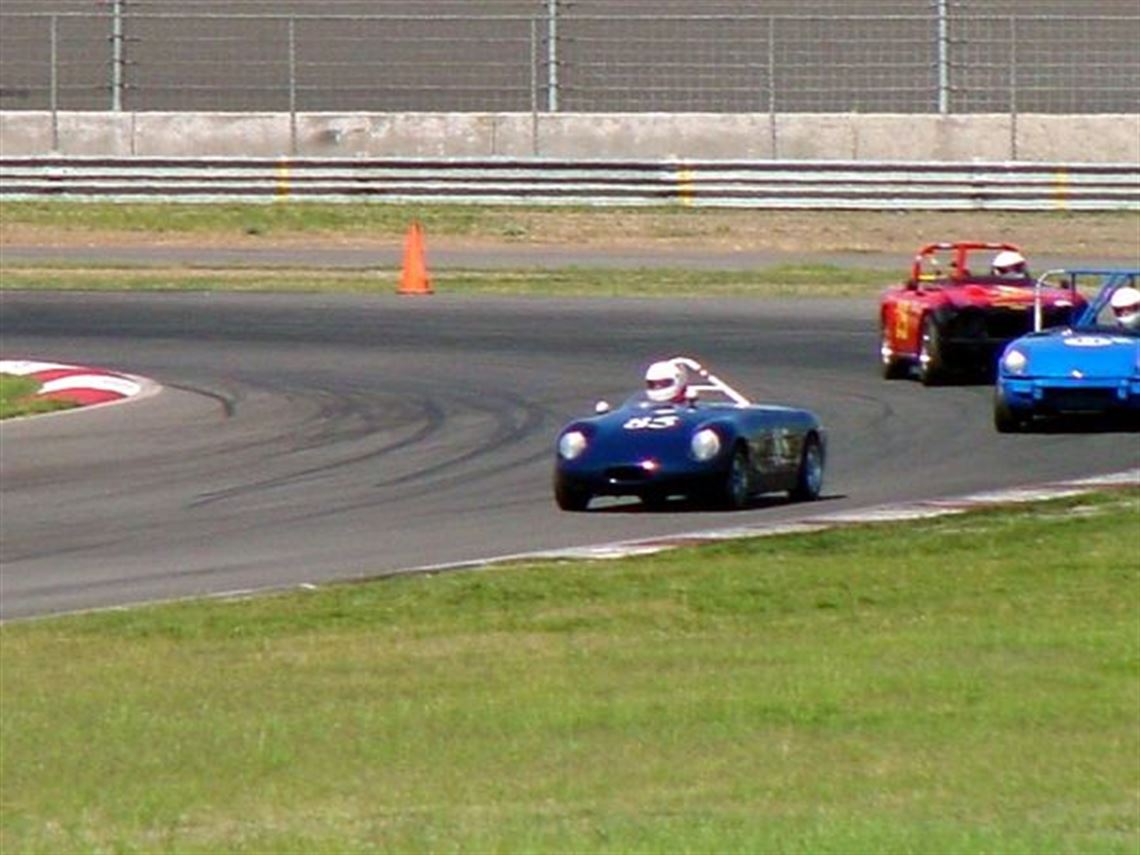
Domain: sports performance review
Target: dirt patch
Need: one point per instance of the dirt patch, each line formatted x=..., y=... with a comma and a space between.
x=846, y=231
x=1077, y=234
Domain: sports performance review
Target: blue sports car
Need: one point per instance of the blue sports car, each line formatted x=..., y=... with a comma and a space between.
x=1089, y=368
x=689, y=434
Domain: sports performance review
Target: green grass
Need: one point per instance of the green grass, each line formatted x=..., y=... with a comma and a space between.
x=264, y=220
x=819, y=230
x=784, y=281
x=508, y=223
x=17, y=398
x=302, y=223
x=965, y=684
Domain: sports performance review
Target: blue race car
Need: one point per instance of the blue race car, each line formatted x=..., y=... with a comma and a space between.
x=698, y=438
x=1088, y=370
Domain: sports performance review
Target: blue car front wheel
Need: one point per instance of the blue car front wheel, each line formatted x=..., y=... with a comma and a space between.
x=569, y=497
x=736, y=487
x=1006, y=419
x=809, y=481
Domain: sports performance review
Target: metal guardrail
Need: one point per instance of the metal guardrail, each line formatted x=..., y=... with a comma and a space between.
x=713, y=184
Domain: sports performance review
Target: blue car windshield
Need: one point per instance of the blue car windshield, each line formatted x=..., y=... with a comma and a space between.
x=1106, y=329
x=1098, y=315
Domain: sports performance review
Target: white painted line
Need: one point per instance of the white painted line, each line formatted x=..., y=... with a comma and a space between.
x=895, y=513
x=901, y=512
x=597, y=553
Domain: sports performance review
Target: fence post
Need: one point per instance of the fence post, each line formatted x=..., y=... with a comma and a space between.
x=117, y=55
x=292, y=86
x=1013, y=87
x=772, y=87
x=943, y=57
x=54, y=94
x=534, y=87
x=552, y=56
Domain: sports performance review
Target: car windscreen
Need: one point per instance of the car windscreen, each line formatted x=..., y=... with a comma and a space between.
x=1106, y=329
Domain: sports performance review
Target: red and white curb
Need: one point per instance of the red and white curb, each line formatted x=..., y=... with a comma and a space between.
x=77, y=383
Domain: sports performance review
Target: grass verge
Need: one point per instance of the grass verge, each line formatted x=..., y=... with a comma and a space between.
x=236, y=220
x=965, y=684
x=803, y=233
x=18, y=398
x=806, y=281
x=1077, y=233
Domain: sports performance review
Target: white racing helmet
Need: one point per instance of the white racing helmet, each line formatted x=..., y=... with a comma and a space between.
x=665, y=381
x=1126, y=306
x=1008, y=262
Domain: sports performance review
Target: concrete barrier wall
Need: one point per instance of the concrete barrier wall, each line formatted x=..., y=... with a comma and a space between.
x=642, y=136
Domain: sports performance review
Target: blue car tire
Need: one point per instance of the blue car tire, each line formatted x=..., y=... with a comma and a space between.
x=809, y=481
x=568, y=497
x=736, y=487
x=1005, y=419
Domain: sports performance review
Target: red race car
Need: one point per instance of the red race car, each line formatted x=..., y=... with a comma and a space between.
x=964, y=301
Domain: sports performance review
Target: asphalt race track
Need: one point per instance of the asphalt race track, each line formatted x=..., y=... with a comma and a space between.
x=307, y=438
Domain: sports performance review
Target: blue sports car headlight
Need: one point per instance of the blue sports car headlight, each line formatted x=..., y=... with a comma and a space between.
x=571, y=444
x=1015, y=362
x=705, y=444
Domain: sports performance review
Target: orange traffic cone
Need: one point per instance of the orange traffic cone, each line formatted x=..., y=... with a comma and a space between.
x=414, y=279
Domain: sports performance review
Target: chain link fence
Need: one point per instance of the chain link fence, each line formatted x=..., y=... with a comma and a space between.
x=577, y=56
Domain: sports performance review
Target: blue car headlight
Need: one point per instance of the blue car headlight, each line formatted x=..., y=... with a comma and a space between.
x=1015, y=362
x=571, y=444
x=705, y=444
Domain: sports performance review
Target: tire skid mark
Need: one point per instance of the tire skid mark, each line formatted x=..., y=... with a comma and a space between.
x=228, y=402
x=423, y=482
x=430, y=423
x=506, y=431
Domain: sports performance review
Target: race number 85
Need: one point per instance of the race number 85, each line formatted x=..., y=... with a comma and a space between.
x=651, y=423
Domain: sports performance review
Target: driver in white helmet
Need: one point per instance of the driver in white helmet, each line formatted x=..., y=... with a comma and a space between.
x=1126, y=306
x=1011, y=264
x=666, y=382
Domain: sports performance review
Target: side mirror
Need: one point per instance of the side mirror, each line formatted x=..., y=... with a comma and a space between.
x=691, y=395
x=601, y=407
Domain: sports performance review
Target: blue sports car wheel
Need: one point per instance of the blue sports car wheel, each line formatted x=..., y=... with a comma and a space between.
x=1005, y=419
x=570, y=498
x=737, y=487
x=809, y=482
